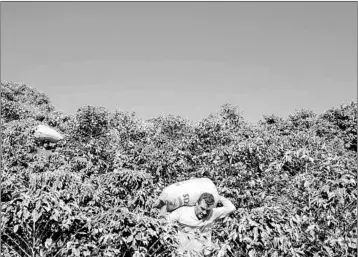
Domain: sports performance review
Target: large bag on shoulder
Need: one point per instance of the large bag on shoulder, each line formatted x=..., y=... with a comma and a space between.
x=186, y=193
x=43, y=132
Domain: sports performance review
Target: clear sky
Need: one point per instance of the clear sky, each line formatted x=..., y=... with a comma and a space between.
x=184, y=58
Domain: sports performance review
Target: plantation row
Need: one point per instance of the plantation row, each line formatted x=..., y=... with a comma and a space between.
x=293, y=181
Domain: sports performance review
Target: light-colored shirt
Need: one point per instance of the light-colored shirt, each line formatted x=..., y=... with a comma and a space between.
x=189, y=224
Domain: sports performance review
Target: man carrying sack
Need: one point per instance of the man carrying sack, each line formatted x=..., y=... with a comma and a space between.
x=196, y=222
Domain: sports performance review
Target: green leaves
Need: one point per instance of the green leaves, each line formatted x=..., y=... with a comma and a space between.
x=92, y=121
x=48, y=242
x=36, y=215
x=16, y=228
x=293, y=180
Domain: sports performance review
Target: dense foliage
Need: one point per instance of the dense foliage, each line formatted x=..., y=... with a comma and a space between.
x=293, y=181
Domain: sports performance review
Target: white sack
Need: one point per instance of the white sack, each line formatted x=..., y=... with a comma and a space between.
x=187, y=193
x=43, y=132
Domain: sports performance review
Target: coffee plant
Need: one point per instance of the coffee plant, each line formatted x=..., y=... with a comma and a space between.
x=293, y=180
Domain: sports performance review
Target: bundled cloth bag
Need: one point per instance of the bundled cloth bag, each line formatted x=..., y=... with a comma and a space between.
x=46, y=133
x=186, y=193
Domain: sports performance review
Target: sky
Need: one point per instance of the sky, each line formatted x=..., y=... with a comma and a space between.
x=184, y=58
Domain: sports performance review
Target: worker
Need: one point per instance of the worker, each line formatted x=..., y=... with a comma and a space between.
x=196, y=222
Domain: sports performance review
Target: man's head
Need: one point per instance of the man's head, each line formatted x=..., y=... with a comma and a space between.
x=204, y=205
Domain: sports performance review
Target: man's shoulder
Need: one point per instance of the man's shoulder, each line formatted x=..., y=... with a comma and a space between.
x=184, y=208
x=183, y=211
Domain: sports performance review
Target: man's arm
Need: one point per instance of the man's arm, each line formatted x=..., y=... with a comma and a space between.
x=227, y=208
x=174, y=216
